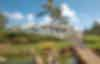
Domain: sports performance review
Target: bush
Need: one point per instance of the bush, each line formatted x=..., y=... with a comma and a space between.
x=25, y=38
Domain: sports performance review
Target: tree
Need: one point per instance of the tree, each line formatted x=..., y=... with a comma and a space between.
x=54, y=12
x=95, y=29
x=2, y=25
x=2, y=21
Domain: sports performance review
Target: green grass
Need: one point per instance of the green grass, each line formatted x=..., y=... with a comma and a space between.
x=91, y=41
x=38, y=46
x=18, y=50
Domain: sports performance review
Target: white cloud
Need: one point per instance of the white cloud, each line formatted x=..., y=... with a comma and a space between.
x=6, y=14
x=16, y=15
x=30, y=21
x=97, y=20
x=46, y=20
x=78, y=29
x=27, y=26
x=67, y=11
x=30, y=17
x=25, y=21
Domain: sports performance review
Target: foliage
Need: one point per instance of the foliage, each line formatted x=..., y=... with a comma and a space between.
x=25, y=38
x=55, y=13
x=24, y=50
x=94, y=30
x=92, y=36
x=2, y=21
x=20, y=50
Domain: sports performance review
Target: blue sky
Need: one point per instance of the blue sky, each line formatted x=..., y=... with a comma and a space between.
x=85, y=11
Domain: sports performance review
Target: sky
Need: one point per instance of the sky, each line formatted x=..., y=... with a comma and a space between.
x=82, y=13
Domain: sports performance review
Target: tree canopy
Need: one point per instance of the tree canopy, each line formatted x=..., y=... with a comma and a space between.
x=94, y=30
x=54, y=11
x=2, y=20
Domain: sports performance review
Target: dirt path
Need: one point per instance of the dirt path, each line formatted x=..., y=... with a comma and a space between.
x=87, y=55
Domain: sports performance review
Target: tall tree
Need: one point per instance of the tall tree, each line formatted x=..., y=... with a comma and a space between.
x=54, y=11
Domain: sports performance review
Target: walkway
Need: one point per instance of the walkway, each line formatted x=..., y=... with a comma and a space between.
x=87, y=55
